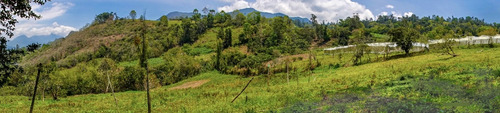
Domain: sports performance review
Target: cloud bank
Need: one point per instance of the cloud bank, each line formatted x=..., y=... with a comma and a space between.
x=389, y=6
x=395, y=13
x=41, y=26
x=325, y=10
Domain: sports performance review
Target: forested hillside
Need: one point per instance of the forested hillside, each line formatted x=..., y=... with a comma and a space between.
x=231, y=48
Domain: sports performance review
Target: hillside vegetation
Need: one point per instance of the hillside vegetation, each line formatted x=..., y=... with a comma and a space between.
x=422, y=83
x=292, y=73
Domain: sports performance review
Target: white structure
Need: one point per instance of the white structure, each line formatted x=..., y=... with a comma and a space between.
x=383, y=47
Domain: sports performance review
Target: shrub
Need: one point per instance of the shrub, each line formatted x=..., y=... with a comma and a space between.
x=131, y=78
x=178, y=66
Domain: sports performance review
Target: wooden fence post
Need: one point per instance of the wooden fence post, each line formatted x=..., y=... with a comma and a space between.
x=242, y=90
x=36, y=85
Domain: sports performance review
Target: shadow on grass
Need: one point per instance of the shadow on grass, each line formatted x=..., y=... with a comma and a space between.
x=483, y=97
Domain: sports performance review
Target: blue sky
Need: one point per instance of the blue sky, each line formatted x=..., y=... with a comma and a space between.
x=62, y=16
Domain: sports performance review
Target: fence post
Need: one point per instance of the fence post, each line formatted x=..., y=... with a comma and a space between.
x=36, y=85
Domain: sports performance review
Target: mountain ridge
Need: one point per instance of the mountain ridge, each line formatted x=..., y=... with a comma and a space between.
x=245, y=11
x=23, y=40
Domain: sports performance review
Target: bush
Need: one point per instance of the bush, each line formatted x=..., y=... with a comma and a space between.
x=178, y=66
x=195, y=51
x=131, y=78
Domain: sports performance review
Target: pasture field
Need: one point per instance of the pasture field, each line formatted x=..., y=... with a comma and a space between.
x=429, y=82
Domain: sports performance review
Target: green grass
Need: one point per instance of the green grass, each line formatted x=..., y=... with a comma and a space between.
x=422, y=83
x=152, y=62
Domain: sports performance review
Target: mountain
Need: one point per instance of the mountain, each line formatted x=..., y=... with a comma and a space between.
x=24, y=40
x=178, y=15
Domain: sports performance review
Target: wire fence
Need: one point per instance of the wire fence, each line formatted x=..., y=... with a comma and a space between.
x=389, y=47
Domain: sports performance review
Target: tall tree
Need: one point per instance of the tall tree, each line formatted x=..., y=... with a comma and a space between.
x=254, y=17
x=188, y=32
x=359, y=38
x=404, y=38
x=33, y=46
x=239, y=20
x=196, y=15
x=133, y=14
x=210, y=19
x=143, y=59
x=106, y=67
x=163, y=22
x=103, y=17
x=227, y=38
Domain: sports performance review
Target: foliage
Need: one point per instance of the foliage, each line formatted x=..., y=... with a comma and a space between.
x=133, y=14
x=32, y=47
x=404, y=38
x=11, y=10
x=104, y=17
x=178, y=66
x=8, y=59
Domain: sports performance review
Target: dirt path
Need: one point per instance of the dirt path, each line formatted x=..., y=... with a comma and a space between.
x=192, y=84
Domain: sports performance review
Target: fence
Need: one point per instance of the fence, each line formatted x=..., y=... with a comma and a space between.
x=385, y=47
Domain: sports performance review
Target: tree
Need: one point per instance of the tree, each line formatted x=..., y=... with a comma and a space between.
x=143, y=59
x=103, y=17
x=205, y=10
x=188, y=32
x=196, y=15
x=446, y=47
x=163, y=22
x=490, y=32
x=404, y=38
x=253, y=17
x=210, y=19
x=218, y=53
x=33, y=46
x=8, y=59
x=227, y=38
x=12, y=9
x=239, y=20
x=359, y=38
x=133, y=14
x=342, y=33
x=278, y=26
x=107, y=66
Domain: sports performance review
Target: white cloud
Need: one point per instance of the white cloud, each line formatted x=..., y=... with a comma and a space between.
x=384, y=13
x=34, y=29
x=31, y=27
x=328, y=10
x=56, y=9
x=408, y=13
x=239, y=4
x=396, y=14
x=389, y=6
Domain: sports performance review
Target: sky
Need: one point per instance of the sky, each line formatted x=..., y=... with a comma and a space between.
x=63, y=16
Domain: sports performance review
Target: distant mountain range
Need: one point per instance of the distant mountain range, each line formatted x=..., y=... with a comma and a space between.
x=24, y=41
x=178, y=15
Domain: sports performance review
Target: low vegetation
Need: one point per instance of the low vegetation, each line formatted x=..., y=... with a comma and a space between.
x=291, y=72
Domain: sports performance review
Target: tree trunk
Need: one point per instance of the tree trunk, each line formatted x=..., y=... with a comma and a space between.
x=36, y=85
x=287, y=76
x=112, y=90
x=242, y=90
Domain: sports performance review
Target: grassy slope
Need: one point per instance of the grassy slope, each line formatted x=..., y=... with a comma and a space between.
x=215, y=96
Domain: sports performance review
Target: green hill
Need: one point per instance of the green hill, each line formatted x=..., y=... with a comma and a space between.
x=200, y=64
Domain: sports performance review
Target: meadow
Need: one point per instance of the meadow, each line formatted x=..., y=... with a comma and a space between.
x=423, y=82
